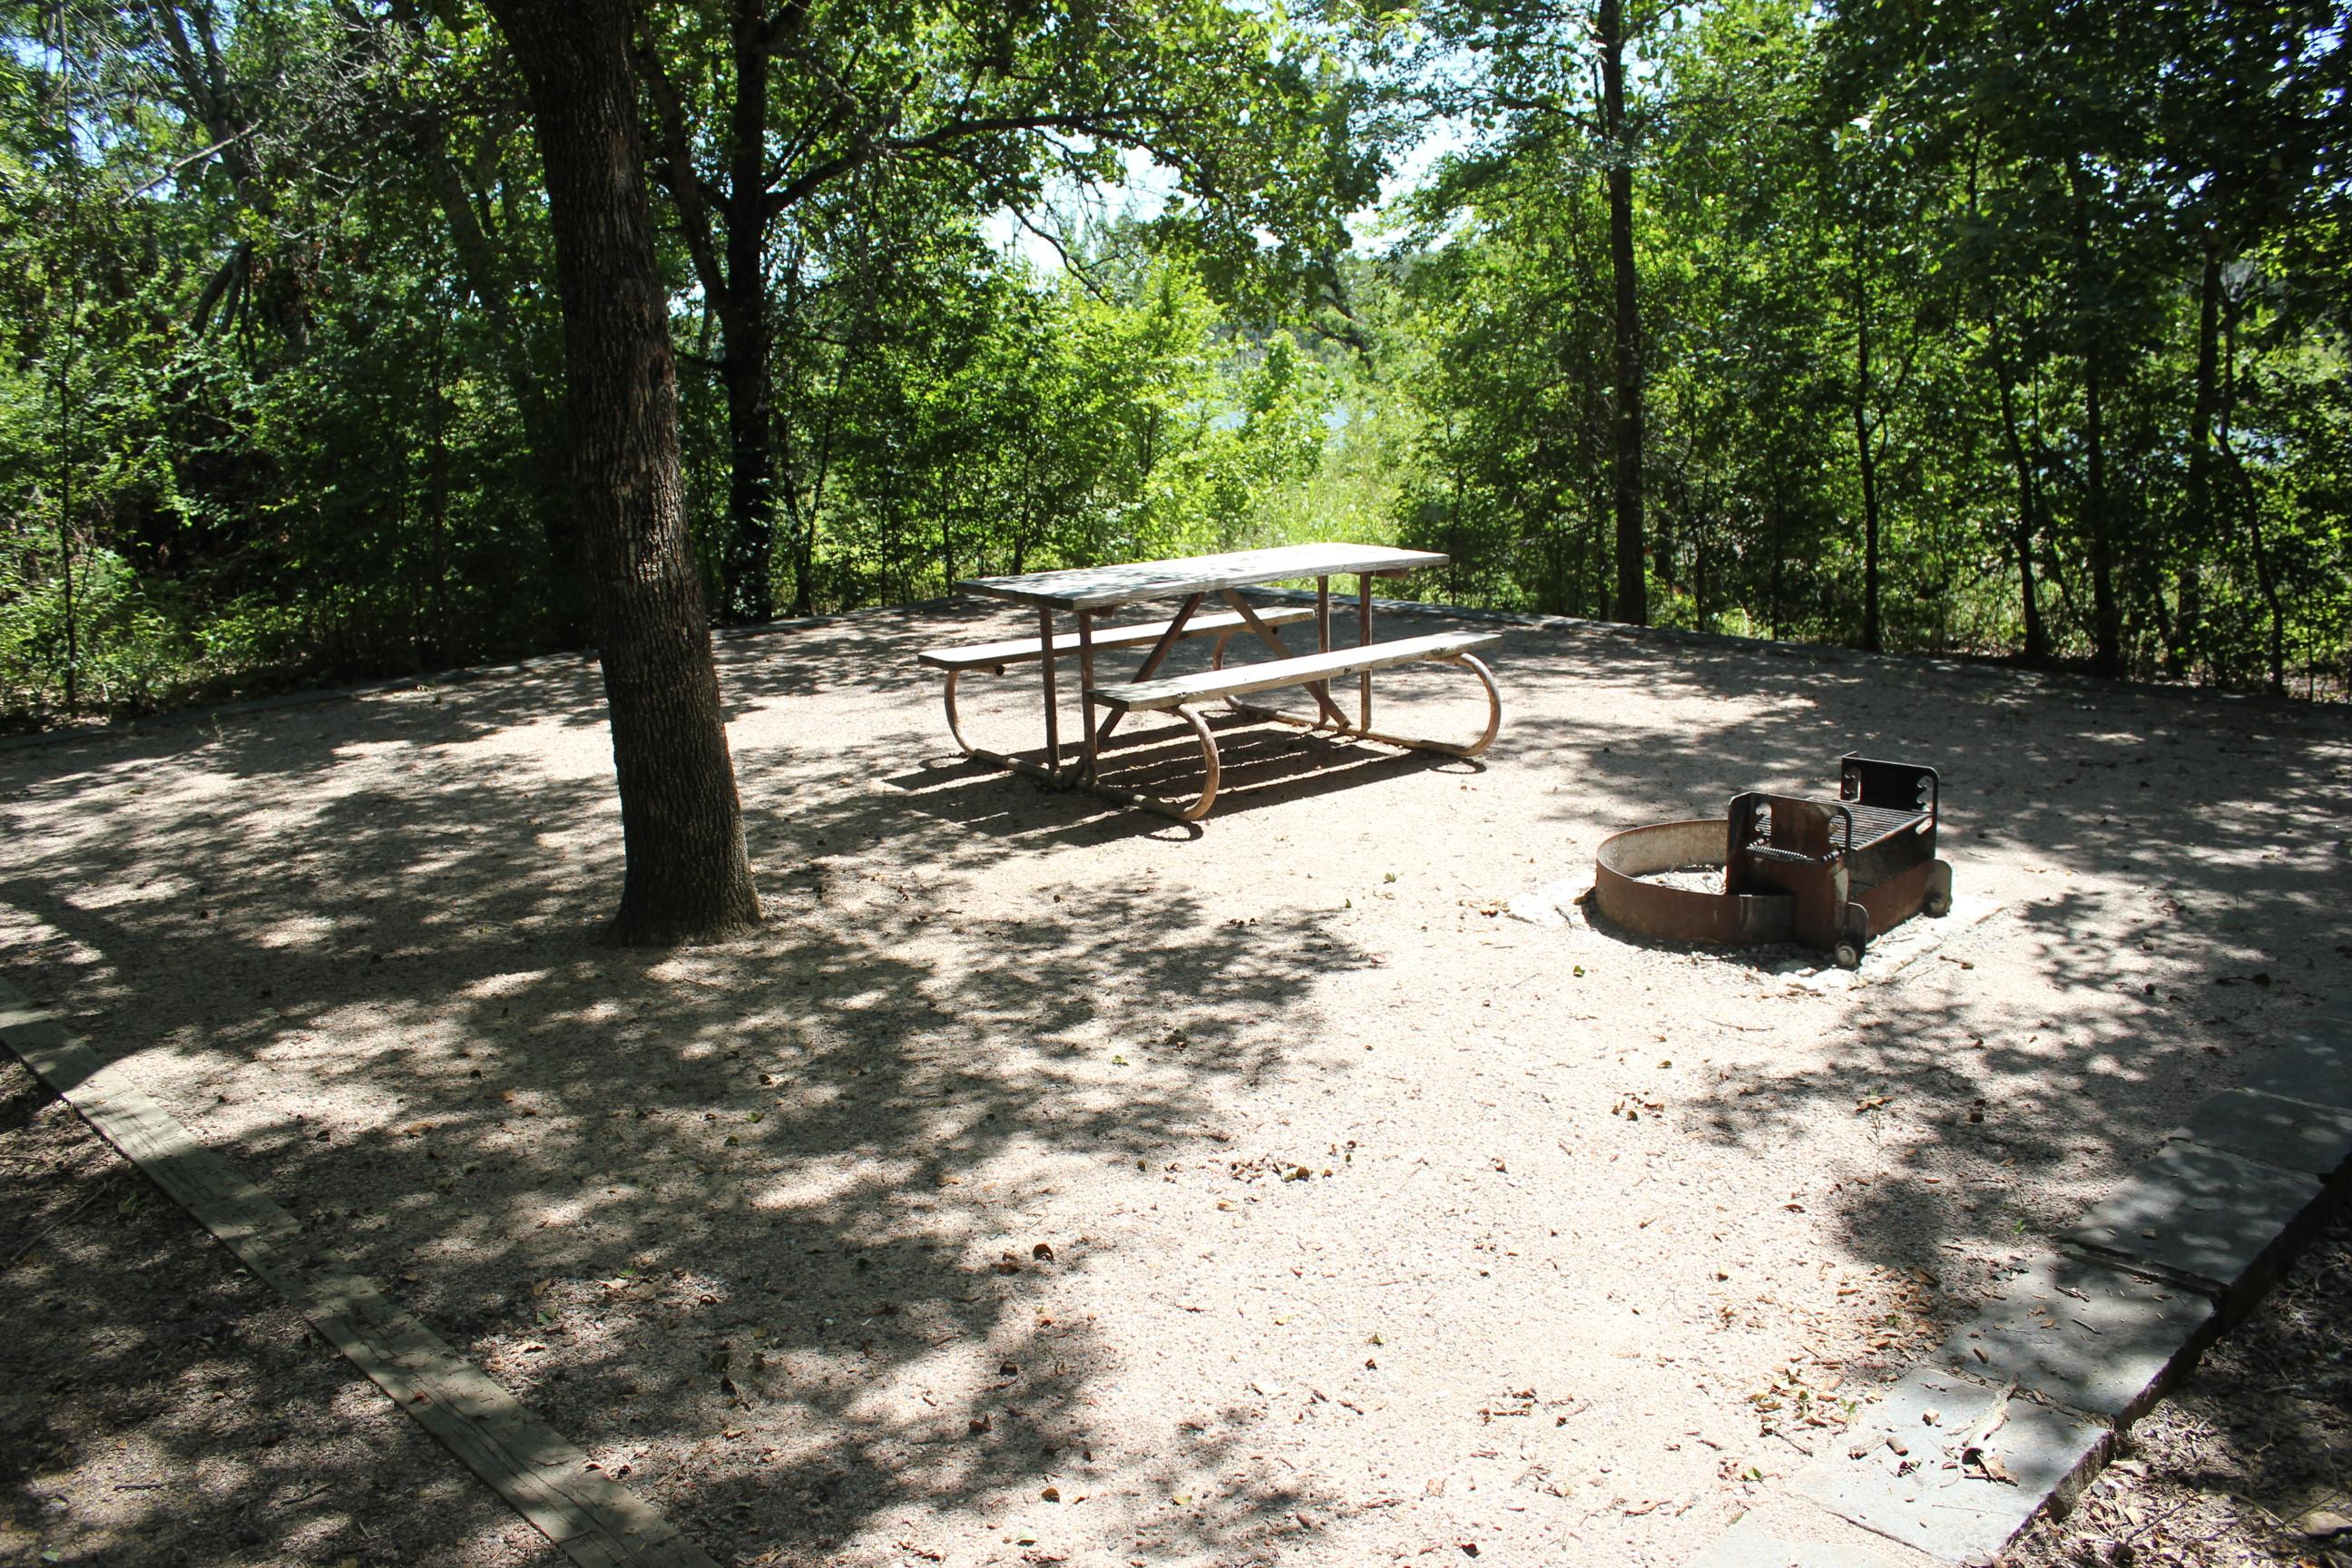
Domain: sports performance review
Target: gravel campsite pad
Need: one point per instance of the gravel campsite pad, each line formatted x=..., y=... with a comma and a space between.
x=1049, y=1183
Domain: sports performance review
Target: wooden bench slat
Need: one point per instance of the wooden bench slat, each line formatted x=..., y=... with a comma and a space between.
x=1020, y=650
x=1238, y=680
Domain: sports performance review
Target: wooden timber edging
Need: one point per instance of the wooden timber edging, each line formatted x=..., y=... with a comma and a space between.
x=592, y=1519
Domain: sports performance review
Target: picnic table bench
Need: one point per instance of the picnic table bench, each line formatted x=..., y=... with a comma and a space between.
x=1086, y=592
x=997, y=657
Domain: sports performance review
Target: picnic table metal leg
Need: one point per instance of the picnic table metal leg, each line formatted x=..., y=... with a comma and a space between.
x=1211, y=766
x=1364, y=639
x=1168, y=640
x=1322, y=688
x=955, y=725
x=1087, y=687
x=1053, y=717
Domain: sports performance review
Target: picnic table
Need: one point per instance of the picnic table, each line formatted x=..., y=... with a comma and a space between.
x=1086, y=593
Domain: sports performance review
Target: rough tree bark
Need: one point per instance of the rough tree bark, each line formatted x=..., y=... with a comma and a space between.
x=2027, y=528
x=1865, y=448
x=2106, y=612
x=681, y=823
x=2198, y=523
x=1633, y=601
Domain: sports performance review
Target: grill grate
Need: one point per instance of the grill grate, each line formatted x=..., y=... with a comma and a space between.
x=1873, y=823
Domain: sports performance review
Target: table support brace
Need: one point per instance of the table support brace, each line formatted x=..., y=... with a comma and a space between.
x=1168, y=640
x=1266, y=634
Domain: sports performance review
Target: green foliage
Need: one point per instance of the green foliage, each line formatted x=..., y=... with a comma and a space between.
x=949, y=414
x=2052, y=301
x=1929, y=265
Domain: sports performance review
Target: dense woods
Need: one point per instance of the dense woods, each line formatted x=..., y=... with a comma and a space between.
x=1953, y=325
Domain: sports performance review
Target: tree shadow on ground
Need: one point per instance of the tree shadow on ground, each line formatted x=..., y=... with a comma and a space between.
x=157, y=1405
x=2254, y=1443
x=759, y=1225
x=2165, y=950
x=1262, y=767
x=733, y=1219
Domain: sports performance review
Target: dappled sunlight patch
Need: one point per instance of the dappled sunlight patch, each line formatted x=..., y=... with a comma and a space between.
x=220, y=1476
x=512, y=983
x=28, y=935
x=1332, y=1159
x=548, y=749
x=812, y=1191
x=298, y=931
x=394, y=750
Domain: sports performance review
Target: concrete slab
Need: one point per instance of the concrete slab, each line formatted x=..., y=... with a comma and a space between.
x=2312, y=1065
x=1900, y=1470
x=2292, y=1134
x=2083, y=1335
x=2201, y=1218
x=1746, y=1545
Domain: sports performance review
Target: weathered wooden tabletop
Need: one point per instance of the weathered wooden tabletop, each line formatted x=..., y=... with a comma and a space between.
x=1094, y=587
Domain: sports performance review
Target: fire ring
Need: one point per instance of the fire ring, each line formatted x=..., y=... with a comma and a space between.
x=1829, y=874
x=1682, y=914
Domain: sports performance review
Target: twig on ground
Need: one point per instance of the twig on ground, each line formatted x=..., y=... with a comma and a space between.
x=57, y=1224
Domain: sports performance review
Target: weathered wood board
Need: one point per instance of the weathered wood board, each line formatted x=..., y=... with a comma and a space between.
x=1237, y=680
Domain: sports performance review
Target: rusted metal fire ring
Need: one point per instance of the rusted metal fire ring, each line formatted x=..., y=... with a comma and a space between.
x=1620, y=895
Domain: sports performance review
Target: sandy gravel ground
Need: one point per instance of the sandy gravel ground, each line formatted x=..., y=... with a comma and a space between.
x=1047, y=1182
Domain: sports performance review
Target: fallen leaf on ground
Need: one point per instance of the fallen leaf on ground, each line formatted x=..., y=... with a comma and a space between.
x=1988, y=1464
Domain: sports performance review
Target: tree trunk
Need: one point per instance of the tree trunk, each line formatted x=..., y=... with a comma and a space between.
x=805, y=464
x=2106, y=615
x=1698, y=581
x=208, y=94
x=2265, y=577
x=746, y=557
x=733, y=273
x=681, y=823
x=748, y=560
x=1864, y=456
x=64, y=354
x=2181, y=649
x=802, y=539
x=1632, y=603
x=2029, y=509
x=486, y=277
x=2029, y=501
